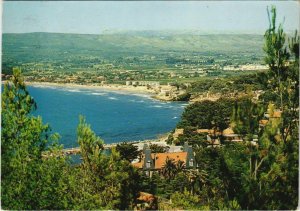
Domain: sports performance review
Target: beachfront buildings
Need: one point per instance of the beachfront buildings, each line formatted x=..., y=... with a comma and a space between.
x=142, y=83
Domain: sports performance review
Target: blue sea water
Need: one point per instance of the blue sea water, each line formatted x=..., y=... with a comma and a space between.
x=114, y=116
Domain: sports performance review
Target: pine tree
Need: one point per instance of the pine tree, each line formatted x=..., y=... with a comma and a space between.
x=277, y=55
x=27, y=179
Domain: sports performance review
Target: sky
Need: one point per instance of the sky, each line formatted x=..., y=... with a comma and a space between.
x=96, y=17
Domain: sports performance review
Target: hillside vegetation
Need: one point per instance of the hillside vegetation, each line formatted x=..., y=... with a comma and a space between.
x=34, y=47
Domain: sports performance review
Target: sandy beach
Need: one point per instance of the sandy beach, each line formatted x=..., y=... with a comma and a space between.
x=108, y=87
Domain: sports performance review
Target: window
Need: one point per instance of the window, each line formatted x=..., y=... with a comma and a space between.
x=148, y=164
x=191, y=163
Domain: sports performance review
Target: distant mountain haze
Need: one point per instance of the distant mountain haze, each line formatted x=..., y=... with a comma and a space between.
x=32, y=47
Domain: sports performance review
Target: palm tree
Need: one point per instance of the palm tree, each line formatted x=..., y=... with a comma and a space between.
x=180, y=165
x=196, y=178
x=169, y=169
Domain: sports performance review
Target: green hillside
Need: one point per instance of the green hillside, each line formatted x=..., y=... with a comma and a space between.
x=33, y=47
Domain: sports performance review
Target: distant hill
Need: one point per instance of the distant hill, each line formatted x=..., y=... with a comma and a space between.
x=32, y=47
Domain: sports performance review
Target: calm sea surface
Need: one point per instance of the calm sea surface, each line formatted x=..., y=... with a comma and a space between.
x=114, y=116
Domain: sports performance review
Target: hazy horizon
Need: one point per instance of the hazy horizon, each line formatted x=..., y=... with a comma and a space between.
x=97, y=17
x=159, y=32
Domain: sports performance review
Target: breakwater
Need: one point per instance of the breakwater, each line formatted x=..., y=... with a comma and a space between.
x=76, y=150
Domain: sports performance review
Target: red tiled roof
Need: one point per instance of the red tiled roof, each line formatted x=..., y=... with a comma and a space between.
x=146, y=197
x=276, y=114
x=160, y=159
x=263, y=121
x=138, y=165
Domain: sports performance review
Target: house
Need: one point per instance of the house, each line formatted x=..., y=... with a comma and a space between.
x=155, y=161
x=135, y=83
x=272, y=113
x=149, y=83
x=269, y=115
x=212, y=141
x=165, y=92
x=146, y=201
x=229, y=135
x=211, y=136
x=168, y=91
x=210, y=132
x=276, y=114
x=263, y=122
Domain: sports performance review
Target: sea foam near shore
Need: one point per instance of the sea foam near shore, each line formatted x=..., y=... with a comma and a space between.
x=115, y=116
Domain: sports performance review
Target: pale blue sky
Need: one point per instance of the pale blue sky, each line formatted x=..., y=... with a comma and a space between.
x=94, y=17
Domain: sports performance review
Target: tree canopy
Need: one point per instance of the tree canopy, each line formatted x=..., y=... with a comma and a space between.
x=207, y=114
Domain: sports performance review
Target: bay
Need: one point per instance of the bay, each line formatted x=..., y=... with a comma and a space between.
x=114, y=116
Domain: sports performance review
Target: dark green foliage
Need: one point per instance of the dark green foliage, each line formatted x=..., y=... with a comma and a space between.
x=185, y=200
x=275, y=48
x=7, y=69
x=169, y=169
x=271, y=182
x=183, y=97
x=191, y=136
x=245, y=117
x=198, y=115
x=277, y=55
x=228, y=85
x=91, y=146
x=109, y=181
x=36, y=175
x=155, y=148
x=27, y=180
x=127, y=151
x=268, y=97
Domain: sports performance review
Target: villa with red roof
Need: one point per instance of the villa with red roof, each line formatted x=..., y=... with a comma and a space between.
x=156, y=161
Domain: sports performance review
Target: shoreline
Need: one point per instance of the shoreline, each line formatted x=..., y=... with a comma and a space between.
x=161, y=141
x=124, y=89
x=110, y=87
